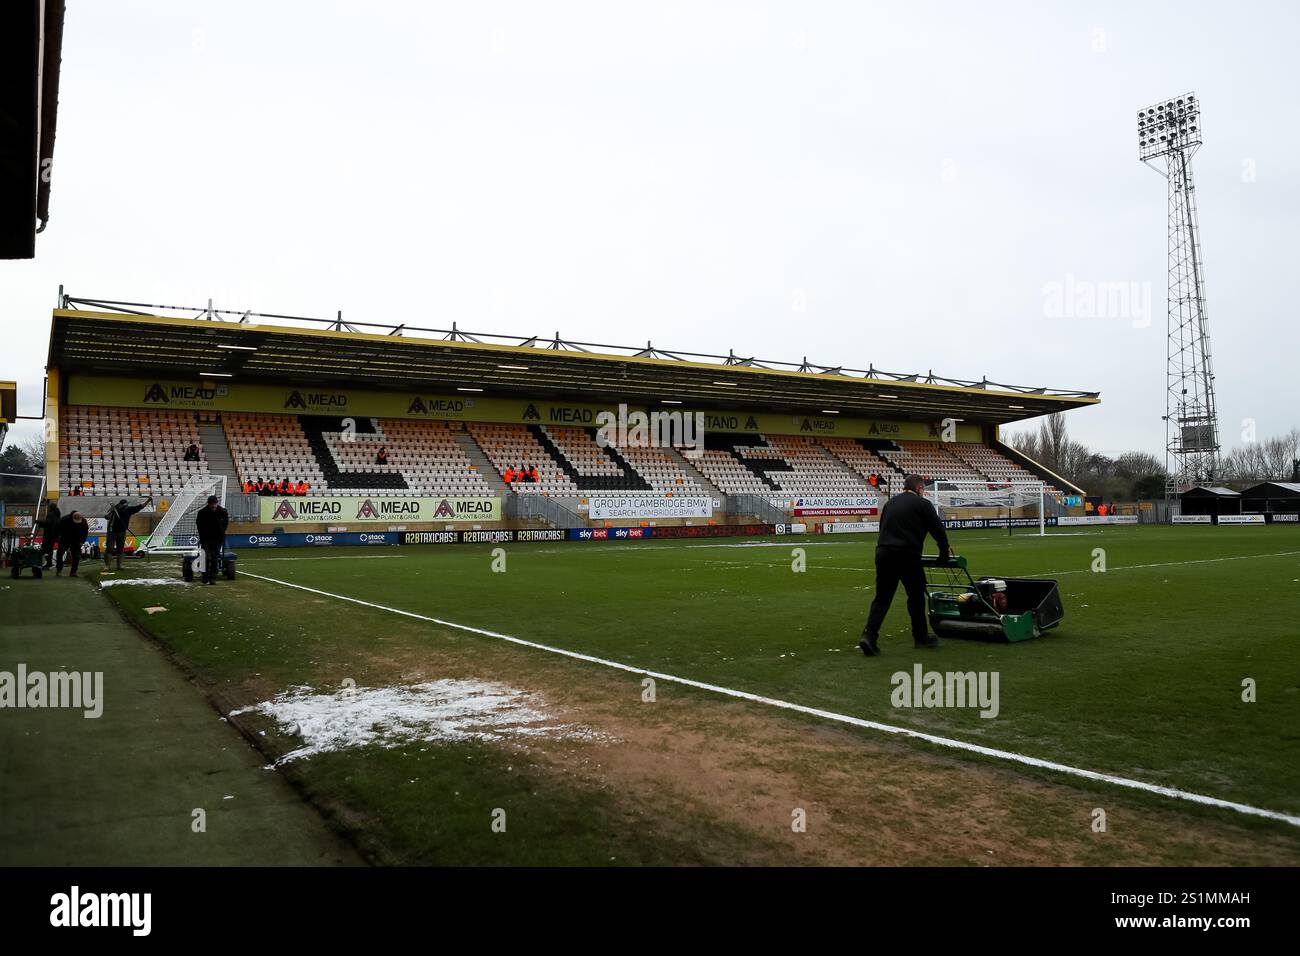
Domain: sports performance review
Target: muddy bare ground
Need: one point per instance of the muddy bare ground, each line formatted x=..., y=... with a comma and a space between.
x=866, y=800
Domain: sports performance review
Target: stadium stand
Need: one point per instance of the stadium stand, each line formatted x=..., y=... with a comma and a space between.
x=931, y=460
x=264, y=417
x=271, y=448
x=516, y=446
x=661, y=469
x=116, y=451
x=429, y=457
x=814, y=471
x=340, y=457
x=721, y=464
x=992, y=465
x=791, y=464
x=127, y=451
x=570, y=461
x=576, y=452
x=352, y=442
x=864, y=461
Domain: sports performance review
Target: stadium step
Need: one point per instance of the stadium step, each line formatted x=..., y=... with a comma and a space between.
x=217, y=449
x=685, y=465
x=480, y=461
x=631, y=480
x=847, y=471
x=962, y=460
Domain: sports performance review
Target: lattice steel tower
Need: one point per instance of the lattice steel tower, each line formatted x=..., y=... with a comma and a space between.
x=1172, y=130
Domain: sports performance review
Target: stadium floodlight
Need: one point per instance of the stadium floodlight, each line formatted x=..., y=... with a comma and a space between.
x=1171, y=130
x=216, y=375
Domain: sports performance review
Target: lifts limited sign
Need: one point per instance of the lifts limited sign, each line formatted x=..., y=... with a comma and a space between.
x=324, y=510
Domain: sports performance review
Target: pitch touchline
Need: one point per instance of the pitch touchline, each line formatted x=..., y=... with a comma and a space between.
x=1174, y=564
x=333, y=557
x=815, y=712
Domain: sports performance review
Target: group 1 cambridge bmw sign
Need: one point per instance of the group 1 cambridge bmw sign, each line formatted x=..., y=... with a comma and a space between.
x=320, y=510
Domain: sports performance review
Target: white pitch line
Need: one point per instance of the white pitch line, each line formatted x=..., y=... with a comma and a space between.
x=1122, y=567
x=1175, y=564
x=824, y=714
x=781, y=564
x=332, y=557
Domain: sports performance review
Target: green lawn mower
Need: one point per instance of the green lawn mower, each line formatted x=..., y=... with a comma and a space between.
x=192, y=563
x=990, y=608
x=19, y=556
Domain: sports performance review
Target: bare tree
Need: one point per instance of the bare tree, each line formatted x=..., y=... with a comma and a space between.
x=1272, y=459
x=1138, y=464
x=33, y=446
x=1026, y=443
x=1136, y=474
x=1053, y=441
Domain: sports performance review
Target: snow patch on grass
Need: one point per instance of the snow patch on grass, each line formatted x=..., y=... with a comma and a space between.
x=438, y=711
x=143, y=582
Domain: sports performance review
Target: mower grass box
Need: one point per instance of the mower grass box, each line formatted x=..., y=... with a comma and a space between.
x=999, y=609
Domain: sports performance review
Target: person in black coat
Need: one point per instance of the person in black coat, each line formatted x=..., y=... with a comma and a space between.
x=71, y=532
x=119, y=520
x=211, y=524
x=50, y=531
x=904, y=523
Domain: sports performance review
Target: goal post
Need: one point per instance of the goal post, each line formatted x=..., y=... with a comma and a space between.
x=1021, y=504
x=177, y=528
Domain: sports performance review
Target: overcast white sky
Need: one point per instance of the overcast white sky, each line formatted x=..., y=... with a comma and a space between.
x=891, y=183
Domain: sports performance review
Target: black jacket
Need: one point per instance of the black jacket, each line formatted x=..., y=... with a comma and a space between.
x=71, y=534
x=211, y=524
x=905, y=522
x=52, y=518
x=119, y=516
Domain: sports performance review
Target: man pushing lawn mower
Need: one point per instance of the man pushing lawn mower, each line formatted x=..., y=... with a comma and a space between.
x=211, y=523
x=904, y=523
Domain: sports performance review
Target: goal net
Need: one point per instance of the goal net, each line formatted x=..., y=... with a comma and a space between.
x=177, y=531
x=1017, y=506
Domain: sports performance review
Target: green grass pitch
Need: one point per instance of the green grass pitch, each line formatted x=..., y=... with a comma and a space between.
x=1143, y=678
